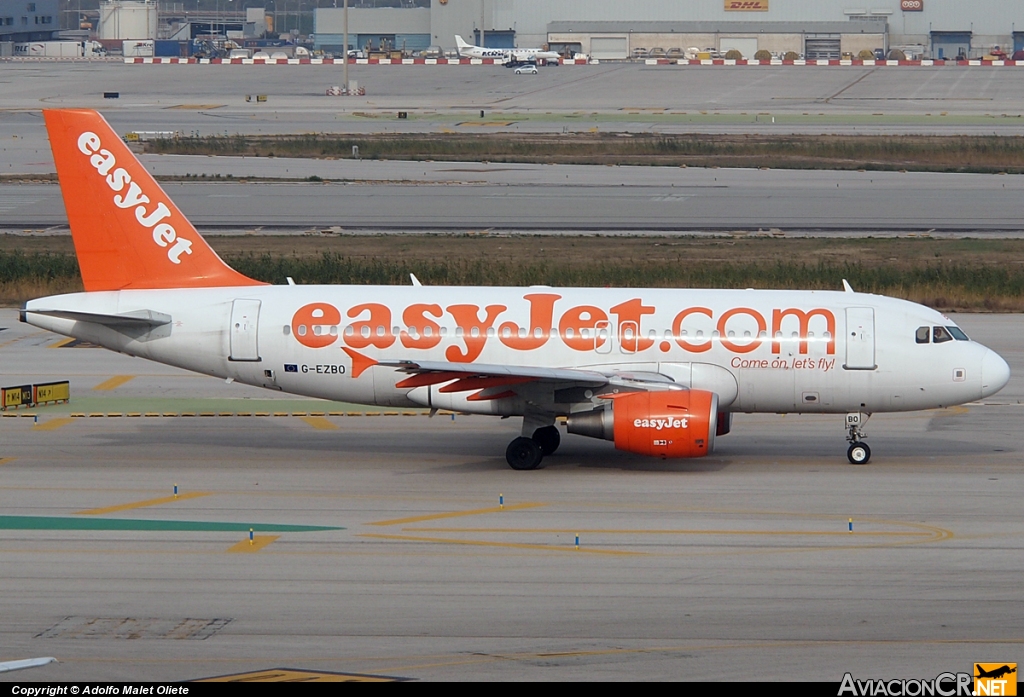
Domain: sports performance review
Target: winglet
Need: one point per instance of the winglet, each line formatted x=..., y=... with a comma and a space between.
x=127, y=231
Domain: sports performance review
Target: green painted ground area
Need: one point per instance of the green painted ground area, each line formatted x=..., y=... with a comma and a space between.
x=21, y=522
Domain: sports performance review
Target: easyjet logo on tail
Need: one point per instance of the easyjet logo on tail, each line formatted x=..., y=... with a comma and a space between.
x=150, y=217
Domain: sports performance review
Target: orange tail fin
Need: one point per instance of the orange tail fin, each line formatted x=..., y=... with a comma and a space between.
x=127, y=232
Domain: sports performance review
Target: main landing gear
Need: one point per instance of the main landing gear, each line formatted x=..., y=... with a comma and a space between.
x=527, y=453
x=858, y=453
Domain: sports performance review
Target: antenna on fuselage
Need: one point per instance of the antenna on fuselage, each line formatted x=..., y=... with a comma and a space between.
x=847, y=287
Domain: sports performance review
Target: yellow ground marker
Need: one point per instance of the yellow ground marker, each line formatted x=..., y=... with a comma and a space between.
x=508, y=545
x=319, y=422
x=53, y=424
x=143, y=504
x=113, y=383
x=63, y=342
x=6, y=460
x=458, y=514
x=258, y=543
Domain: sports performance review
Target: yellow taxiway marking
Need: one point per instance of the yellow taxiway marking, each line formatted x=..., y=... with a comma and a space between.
x=63, y=342
x=5, y=460
x=600, y=531
x=258, y=543
x=289, y=675
x=319, y=422
x=143, y=504
x=507, y=545
x=113, y=383
x=19, y=338
x=53, y=424
x=458, y=514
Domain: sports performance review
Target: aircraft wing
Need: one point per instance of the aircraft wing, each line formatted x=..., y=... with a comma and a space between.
x=464, y=377
x=445, y=371
x=8, y=666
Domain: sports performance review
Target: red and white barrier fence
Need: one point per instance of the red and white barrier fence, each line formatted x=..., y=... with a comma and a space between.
x=491, y=61
x=833, y=61
x=313, y=61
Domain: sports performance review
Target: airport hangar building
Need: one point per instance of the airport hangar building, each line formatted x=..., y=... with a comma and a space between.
x=612, y=29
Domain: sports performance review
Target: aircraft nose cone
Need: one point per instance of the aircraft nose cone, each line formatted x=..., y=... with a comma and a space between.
x=995, y=373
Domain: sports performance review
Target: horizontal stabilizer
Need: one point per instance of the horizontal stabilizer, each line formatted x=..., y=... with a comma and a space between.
x=137, y=318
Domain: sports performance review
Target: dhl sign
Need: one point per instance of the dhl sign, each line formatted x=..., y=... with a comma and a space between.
x=739, y=330
x=746, y=5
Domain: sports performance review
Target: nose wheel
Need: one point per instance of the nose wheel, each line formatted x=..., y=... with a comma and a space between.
x=858, y=453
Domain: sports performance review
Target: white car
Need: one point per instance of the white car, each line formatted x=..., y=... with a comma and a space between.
x=526, y=70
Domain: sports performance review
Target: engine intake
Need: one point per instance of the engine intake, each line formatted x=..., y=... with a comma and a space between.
x=677, y=423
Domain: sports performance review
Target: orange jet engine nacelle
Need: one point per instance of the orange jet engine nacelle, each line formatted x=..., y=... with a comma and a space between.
x=677, y=423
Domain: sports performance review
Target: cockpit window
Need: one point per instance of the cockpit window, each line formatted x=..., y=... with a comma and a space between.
x=923, y=335
x=958, y=333
x=940, y=335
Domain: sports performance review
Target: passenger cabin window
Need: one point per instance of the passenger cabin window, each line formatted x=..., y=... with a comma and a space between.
x=958, y=333
x=940, y=335
x=923, y=335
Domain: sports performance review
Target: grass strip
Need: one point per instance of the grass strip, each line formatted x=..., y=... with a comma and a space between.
x=947, y=287
x=955, y=274
x=980, y=154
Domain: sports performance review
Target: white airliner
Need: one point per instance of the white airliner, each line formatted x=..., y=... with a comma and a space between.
x=505, y=55
x=659, y=372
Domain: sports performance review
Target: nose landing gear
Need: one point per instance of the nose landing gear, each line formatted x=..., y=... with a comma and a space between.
x=858, y=453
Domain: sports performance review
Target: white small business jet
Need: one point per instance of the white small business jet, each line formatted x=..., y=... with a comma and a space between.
x=657, y=371
x=506, y=55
